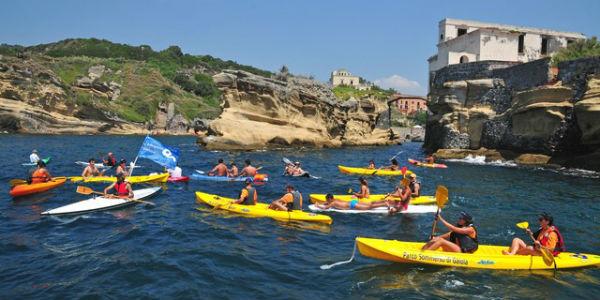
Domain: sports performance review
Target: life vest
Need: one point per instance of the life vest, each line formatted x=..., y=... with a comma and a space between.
x=411, y=185
x=560, y=243
x=249, y=200
x=295, y=204
x=121, y=189
x=467, y=243
x=39, y=176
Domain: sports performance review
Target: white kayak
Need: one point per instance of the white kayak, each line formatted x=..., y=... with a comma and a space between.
x=412, y=209
x=100, y=203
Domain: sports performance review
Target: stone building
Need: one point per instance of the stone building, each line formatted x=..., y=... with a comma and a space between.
x=343, y=77
x=462, y=41
x=408, y=104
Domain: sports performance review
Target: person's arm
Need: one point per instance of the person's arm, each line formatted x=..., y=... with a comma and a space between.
x=243, y=195
x=48, y=174
x=108, y=188
x=255, y=197
x=84, y=173
x=416, y=191
x=463, y=230
x=130, y=190
x=243, y=173
x=300, y=201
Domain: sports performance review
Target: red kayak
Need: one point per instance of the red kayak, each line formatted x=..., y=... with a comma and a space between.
x=178, y=179
x=28, y=189
x=424, y=164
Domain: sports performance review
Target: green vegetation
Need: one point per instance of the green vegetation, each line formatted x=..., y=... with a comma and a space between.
x=577, y=49
x=344, y=92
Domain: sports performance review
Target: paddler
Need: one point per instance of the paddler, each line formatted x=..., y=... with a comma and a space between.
x=414, y=185
x=219, y=170
x=371, y=165
x=90, y=170
x=401, y=198
x=248, y=170
x=248, y=195
x=122, y=168
x=122, y=188
x=364, y=189
x=461, y=238
x=110, y=160
x=429, y=159
x=175, y=172
x=292, y=200
x=394, y=166
x=330, y=202
x=547, y=236
x=297, y=171
x=40, y=174
x=233, y=171
x=34, y=157
x=289, y=169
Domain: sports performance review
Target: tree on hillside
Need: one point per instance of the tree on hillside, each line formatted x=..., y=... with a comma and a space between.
x=578, y=49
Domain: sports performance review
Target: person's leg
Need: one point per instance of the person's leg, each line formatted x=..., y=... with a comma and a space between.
x=277, y=205
x=449, y=246
x=433, y=244
x=528, y=250
x=515, y=246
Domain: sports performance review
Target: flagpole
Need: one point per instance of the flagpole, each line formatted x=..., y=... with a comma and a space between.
x=132, y=167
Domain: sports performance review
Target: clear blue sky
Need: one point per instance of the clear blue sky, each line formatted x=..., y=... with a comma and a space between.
x=373, y=39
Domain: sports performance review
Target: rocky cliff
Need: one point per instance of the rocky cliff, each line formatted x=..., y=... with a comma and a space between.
x=261, y=112
x=527, y=108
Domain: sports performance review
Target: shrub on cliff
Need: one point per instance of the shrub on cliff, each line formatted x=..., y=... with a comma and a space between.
x=577, y=49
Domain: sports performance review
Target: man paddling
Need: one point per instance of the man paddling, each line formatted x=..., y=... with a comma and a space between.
x=292, y=200
x=40, y=174
x=248, y=170
x=248, y=195
x=110, y=160
x=90, y=170
x=34, y=157
x=122, y=189
x=394, y=167
x=461, y=238
x=429, y=159
x=219, y=170
x=547, y=236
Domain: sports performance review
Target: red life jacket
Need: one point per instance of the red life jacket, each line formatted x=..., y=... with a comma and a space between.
x=560, y=243
x=121, y=189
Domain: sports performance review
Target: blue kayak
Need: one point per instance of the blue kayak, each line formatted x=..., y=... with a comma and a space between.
x=258, y=177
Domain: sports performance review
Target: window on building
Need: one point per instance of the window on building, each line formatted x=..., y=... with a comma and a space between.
x=406, y=105
x=464, y=59
x=351, y=82
x=544, y=46
x=461, y=31
x=521, y=43
x=418, y=105
x=569, y=42
x=441, y=36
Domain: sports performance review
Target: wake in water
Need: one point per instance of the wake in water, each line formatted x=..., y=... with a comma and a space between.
x=481, y=160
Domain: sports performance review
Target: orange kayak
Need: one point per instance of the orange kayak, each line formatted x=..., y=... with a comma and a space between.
x=28, y=189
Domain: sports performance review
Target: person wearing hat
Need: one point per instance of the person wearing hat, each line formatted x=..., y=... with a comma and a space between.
x=122, y=168
x=34, y=157
x=547, y=236
x=40, y=174
x=248, y=195
x=414, y=185
x=290, y=201
x=122, y=188
x=461, y=238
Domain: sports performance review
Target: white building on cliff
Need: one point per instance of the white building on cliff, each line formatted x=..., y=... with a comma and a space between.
x=462, y=41
x=343, y=77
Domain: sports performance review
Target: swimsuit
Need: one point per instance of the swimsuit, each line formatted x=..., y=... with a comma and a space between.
x=353, y=204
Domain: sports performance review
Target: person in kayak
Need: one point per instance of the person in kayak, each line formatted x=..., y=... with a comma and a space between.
x=297, y=171
x=547, y=236
x=292, y=200
x=90, y=170
x=233, y=171
x=219, y=170
x=122, y=188
x=401, y=198
x=248, y=170
x=40, y=174
x=110, y=160
x=34, y=157
x=330, y=202
x=364, y=189
x=371, y=165
x=461, y=238
x=429, y=159
x=289, y=169
x=414, y=185
x=122, y=168
x=394, y=166
x=248, y=195
x=175, y=172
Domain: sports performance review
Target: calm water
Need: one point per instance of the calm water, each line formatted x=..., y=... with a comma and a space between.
x=174, y=250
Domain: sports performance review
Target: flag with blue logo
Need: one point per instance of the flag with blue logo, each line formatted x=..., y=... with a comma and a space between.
x=162, y=155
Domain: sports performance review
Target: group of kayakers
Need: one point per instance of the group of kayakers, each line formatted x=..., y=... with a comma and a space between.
x=221, y=169
x=291, y=200
x=293, y=169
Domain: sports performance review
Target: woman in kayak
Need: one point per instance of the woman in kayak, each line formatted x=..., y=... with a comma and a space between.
x=461, y=238
x=40, y=174
x=394, y=166
x=364, y=189
x=292, y=200
x=401, y=198
x=547, y=236
x=122, y=168
x=248, y=195
x=233, y=172
x=429, y=159
x=330, y=202
x=122, y=188
x=371, y=165
x=90, y=170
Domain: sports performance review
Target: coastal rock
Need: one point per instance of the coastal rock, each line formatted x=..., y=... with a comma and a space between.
x=587, y=111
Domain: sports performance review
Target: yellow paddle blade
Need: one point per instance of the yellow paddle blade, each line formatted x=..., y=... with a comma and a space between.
x=84, y=190
x=441, y=196
x=523, y=225
x=14, y=182
x=349, y=191
x=547, y=256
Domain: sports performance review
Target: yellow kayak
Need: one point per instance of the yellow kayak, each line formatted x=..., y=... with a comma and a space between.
x=131, y=179
x=260, y=210
x=373, y=198
x=486, y=257
x=371, y=172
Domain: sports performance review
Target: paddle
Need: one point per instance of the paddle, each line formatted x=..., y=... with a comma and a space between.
x=441, y=198
x=547, y=255
x=390, y=160
x=84, y=190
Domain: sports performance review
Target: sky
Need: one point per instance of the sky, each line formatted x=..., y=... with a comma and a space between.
x=387, y=42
